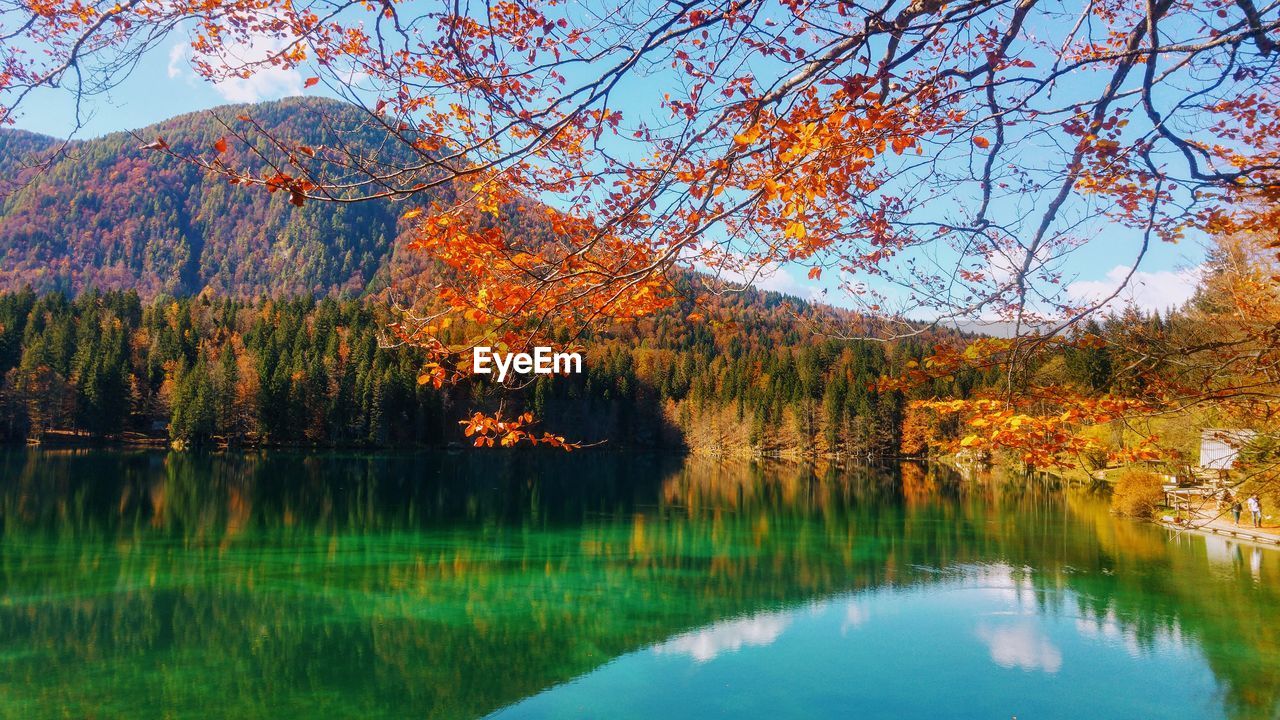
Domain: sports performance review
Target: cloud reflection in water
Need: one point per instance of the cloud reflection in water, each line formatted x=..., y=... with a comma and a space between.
x=727, y=636
x=1020, y=645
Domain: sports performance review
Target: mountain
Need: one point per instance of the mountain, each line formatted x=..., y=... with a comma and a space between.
x=105, y=213
x=166, y=302
x=19, y=147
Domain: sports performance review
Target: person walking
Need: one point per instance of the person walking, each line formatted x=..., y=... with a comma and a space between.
x=1255, y=510
x=1235, y=510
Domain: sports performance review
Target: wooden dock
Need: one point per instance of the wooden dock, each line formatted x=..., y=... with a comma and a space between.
x=1232, y=532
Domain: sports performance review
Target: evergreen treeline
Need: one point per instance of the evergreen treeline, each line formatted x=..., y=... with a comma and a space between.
x=300, y=371
x=306, y=371
x=225, y=368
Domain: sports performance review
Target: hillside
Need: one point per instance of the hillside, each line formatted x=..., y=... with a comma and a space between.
x=108, y=215
x=218, y=334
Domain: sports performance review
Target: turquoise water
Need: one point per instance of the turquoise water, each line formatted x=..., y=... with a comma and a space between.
x=155, y=585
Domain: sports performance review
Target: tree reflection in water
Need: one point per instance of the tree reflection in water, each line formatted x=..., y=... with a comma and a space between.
x=448, y=586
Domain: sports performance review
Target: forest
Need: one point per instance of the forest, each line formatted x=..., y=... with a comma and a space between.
x=199, y=371
x=144, y=301
x=104, y=214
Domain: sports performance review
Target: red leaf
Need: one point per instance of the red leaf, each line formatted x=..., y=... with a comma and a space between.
x=220, y=145
x=311, y=81
x=815, y=273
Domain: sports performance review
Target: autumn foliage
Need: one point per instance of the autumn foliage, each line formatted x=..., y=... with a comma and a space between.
x=812, y=132
x=1137, y=493
x=488, y=429
x=951, y=153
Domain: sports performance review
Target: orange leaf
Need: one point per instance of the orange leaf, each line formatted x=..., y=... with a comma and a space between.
x=815, y=273
x=220, y=145
x=981, y=142
x=311, y=81
x=746, y=138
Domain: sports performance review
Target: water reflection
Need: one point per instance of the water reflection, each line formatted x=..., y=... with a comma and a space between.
x=1020, y=644
x=453, y=586
x=705, y=644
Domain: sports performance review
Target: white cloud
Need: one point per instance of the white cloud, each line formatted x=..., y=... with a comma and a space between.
x=177, y=58
x=1159, y=290
x=267, y=83
x=729, y=636
x=1005, y=263
x=1021, y=646
x=781, y=280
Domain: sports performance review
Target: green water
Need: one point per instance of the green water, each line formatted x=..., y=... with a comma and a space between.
x=154, y=585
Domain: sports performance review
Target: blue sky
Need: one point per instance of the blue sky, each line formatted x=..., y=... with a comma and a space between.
x=163, y=85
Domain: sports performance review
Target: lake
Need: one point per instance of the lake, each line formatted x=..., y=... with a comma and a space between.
x=606, y=585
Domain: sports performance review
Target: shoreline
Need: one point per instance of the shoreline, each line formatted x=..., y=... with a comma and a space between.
x=1242, y=534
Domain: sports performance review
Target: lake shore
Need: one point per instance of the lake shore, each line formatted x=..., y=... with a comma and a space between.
x=1204, y=524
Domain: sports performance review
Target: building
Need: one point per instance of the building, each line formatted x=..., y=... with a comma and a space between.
x=1219, y=448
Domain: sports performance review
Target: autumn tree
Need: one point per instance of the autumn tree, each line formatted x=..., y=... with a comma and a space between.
x=1217, y=363
x=952, y=153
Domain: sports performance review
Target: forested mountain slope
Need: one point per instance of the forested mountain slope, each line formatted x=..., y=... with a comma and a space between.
x=165, y=302
x=107, y=214
x=751, y=377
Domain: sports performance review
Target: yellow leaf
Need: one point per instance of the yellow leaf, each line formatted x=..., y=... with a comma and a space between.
x=746, y=138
